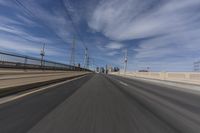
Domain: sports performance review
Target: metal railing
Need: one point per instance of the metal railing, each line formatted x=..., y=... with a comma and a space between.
x=10, y=60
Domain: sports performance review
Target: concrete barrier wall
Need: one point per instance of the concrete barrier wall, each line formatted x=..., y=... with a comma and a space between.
x=11, y=84
x=185, y=77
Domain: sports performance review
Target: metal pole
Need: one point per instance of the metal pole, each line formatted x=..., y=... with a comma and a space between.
x=88, y=62
x=125, y=61
x=42, y=55
x=86, y=58
x=72, y=60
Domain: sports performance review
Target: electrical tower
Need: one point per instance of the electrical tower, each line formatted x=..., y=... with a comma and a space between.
x=72, y=59
x=42, y=54
x=93, y=64
x=88, y=62
x=125, y=60
x=86, y=59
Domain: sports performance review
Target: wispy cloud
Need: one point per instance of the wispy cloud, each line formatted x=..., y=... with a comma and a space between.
x=132, y=19
x=23, y=46
x=168, y=30
x=156, y=32
x=25, y=32
x=112, y=53
x=53, y=18
x=114, y=46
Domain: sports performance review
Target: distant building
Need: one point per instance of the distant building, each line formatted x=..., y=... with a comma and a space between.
x=102, y=70
x=143, y=71
x=116, y=69
x=97, y=70
x=110, y=68
x=107, y=69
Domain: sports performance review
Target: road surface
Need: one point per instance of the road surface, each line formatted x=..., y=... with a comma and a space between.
x=103, y=104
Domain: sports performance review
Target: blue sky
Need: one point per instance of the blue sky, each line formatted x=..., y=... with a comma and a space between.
x=161, y=34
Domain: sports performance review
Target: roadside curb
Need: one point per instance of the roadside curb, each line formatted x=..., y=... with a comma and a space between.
x=16, y=89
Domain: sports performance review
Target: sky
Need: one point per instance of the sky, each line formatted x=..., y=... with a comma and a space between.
x=163, y=35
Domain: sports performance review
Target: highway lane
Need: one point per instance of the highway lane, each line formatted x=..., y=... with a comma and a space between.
x=104, y=104
x=22, y=114
x=177, y=107
x=109, y=104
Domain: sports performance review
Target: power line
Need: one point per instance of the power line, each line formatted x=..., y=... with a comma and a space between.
x=72, y=60
x=30, y=13
x=86, y=59
x=22, y=5
x=73, y=24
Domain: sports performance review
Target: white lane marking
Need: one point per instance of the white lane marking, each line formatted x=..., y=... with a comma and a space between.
x=15, y=97
x=125, y=84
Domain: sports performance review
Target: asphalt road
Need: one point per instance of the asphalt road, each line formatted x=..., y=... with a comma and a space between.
x=104, y=104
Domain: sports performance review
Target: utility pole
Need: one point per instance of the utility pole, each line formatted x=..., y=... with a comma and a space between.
x=42, y=54
x=93, y=64
x=86, y=58
x=125, y=61
x=72, y=60
x=88, y=62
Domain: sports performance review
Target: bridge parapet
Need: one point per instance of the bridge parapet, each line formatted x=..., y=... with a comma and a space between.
x=185, y=77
